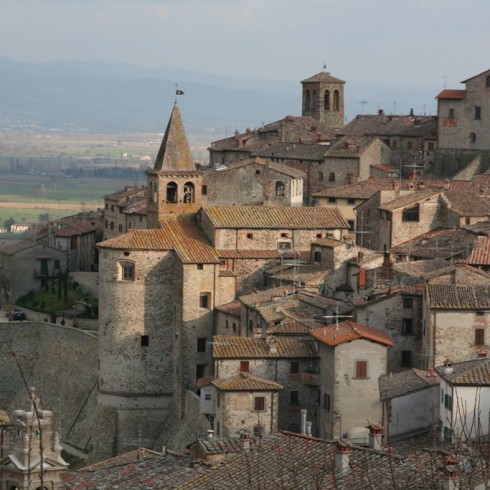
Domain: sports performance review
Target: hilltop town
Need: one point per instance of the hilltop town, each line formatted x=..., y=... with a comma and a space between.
x=309, y=310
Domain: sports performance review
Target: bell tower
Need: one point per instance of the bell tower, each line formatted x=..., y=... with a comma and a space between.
x=323, y=99
x=174, y=184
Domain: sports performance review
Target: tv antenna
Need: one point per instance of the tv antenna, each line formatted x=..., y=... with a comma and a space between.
x=362, y=103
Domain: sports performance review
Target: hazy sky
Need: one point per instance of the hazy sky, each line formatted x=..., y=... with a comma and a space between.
x=414, y=41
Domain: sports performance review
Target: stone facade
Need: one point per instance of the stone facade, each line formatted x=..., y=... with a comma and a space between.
x=254, y=182
x=344, y=390
x=399, y=314
x=323, y=99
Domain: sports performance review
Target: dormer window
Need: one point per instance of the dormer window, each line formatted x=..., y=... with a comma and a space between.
x=411, y=214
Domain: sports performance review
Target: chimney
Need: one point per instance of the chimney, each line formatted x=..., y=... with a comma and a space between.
x=430, y=373
x=272, y=343
x=387, y=260
x=342, y=465
x=411, y=112
x=360, y=256
x=237, y=134
x=375, y=436
x=361, y=279
x=482, y=353
x=448, y=367
x=446, y=184
x=380, y=112
x=396, y=185
x=314, y=135
x=210, y=433
x=450, y=477
x=245, y=441
x=303, y=420
x=308, y=428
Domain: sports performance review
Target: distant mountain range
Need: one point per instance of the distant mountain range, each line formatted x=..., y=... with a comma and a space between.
x=121, y=97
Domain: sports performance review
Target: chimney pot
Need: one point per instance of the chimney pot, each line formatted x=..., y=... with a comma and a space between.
x=342, y=465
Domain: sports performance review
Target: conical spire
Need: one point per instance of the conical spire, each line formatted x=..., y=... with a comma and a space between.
x=174, y=153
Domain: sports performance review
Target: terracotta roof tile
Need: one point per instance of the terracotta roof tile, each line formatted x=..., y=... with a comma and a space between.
x=409, y=199
x=453, y=297
x=182, y=236
x=231, y=308
x=265, y=295
x=468, y=373
x=394, y=385
x=323, y=76
x=480, y=255
x=275, y=218
x=467, y=203
x=245, y=382
x=228, y=347
x=294, y=151
x=347, y=331
x=451, y=94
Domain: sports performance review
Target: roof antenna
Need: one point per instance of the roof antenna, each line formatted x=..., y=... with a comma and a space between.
x=445, y=81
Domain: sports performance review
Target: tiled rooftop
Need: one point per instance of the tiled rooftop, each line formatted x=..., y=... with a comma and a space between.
x=245, y=382
x=182, y=236
x=294, y=151
x=469, y=373
x=480, y=255
x=409, y=199
x=17, y=247
x=324, y=77
x=137, y=470
x=350, y=147
x=467, y=203
x=124, y=194
x=231, y=308
x=244, y=217
x=265, y=295
x=348, y=331
x=405, y=382
x=453, y=297
x=289, y=461
x=451, y=94
x=228, y=347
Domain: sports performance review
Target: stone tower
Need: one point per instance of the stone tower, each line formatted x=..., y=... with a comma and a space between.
x=174, y=184
x=323, y=99
x=22, y=459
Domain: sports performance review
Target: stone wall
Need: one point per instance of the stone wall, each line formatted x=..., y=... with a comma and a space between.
x=61, y=363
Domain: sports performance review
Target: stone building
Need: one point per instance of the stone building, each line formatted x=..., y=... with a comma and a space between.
x=244, y=402
x=463, y=126
x=411, y=138
x=455, y=322
x=352, y=358
x=257, y=181
x=399, y=216
x=158, y=289
x=27, y=265
x=323, y=99
x=398, y=313
x=77, y=236
x=115, y=205
x=289, y=361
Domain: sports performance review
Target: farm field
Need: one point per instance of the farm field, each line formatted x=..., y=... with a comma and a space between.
x=26, y=197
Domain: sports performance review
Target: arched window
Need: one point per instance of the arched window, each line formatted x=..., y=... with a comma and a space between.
x=472, y=137
x=314, y=99
x=279, y=188
x=307, y=100
x=189, y=192
x=336, y=100
x=172, y=189
x=326, y=100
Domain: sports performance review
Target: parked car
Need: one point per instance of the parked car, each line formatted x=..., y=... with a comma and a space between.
x=17, y=315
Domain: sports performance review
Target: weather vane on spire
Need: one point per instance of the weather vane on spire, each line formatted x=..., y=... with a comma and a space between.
x=324, y=65
x=178, y=92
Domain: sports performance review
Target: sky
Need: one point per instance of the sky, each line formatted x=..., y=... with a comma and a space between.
x=424, y=42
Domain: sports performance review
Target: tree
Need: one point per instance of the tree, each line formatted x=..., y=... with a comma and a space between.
x=8, y=223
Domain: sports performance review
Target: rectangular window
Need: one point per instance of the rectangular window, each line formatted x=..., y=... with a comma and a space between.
x=407, y=358
x=351, y=201
x=112, y=207
x=204, y=190
x=294, y=367
x=128, y=272
x=205, y=300
x=201, y=344
x=250, y=236
x=200, y=371
x=112, y=225
x=218, y=400
x=320, y=176
x=407, y=326
x=350, y=222
x=145, y=340
x=332, y=200
x=411, y=214
x=431, y=146
x=326, y=402
x=200, y=267
x=409, y=145
x=407, y=303
x=294, y=397
x=284, y=245
x=480, y=336
x=451, y=114
x=361, y=369
x=331, y=177
x=56, y=263
x=477, y=112
x=259, y=403
x=244, y=366
x=258, y=431
x=448, y=402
